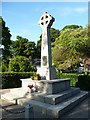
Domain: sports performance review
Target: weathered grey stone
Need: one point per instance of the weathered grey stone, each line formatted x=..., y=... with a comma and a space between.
x=57, y=98
x=29, y=113
x=38, y=96
x=44, y=110
x=39, y=108
x=19, y=91
x=11, y=97
x=54, y=98
x=56, y=111
x=29, y=81
x=47, y=72
x=55, y=86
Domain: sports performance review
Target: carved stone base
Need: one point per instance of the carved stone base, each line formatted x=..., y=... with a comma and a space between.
x=55, y=86
x=47, y=73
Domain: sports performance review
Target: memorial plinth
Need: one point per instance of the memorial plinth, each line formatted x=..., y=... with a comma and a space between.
x=47, y=86
x=56, y=85
x=29, y=81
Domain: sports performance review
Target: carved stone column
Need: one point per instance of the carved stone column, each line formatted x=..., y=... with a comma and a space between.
x=47, y=72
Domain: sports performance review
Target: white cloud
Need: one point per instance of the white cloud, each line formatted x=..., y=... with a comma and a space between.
x=77, y=9
x=73, y=10
x=81, y=9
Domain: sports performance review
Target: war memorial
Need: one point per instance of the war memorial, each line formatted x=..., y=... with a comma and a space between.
x=49, y=97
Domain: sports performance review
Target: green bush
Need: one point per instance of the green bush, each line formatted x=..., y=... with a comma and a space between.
x=20, y=64
x=73, y=77
x=12, y=80
x=3, y=67
x=83, y=82
x=78, y=80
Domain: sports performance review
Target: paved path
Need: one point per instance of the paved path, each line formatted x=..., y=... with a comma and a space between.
x=11, y=111
x=81, y=111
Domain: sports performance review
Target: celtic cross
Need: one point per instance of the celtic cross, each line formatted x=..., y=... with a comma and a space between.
x=46, y=22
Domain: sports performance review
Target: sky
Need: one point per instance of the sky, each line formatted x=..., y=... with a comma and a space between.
x=22, y=17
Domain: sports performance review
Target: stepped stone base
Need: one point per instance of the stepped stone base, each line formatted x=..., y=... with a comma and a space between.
x=52, y=100
x=50, y=110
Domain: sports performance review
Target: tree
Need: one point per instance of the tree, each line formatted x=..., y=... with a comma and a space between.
x=71, y=27
x=30, y=50
x=5, y=41
x=54, y=33
x=71, y=47
x=23, y=47
x=20, y=64
x=39, y=48
x=3, y=67
x=19, y=46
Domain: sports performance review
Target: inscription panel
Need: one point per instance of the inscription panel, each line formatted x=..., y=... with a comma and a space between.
x=44, y=60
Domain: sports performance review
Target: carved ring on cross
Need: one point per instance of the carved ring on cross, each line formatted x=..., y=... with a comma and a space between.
x=46, y=20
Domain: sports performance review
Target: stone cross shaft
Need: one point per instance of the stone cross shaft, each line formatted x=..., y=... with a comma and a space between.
x=46, y=22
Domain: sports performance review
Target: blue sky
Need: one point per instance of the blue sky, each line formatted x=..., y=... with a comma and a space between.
x=22, y=17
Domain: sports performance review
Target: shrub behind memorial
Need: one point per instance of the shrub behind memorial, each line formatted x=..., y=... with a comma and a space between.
x=83, y=82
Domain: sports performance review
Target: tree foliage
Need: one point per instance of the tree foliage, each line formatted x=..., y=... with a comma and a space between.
x=71, y=47
x=20, y=64
x=3, y=67
x=39, y=48
x=71, y=27
x=23, y=47
x=54, y=33
x=5, y=40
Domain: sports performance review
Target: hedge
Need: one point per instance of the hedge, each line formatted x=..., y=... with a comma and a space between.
x=73, y=77
x=77, y=80
x=83, y=82
x=12, y=80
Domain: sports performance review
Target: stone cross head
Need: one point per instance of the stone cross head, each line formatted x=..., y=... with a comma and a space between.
x=46, y=20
